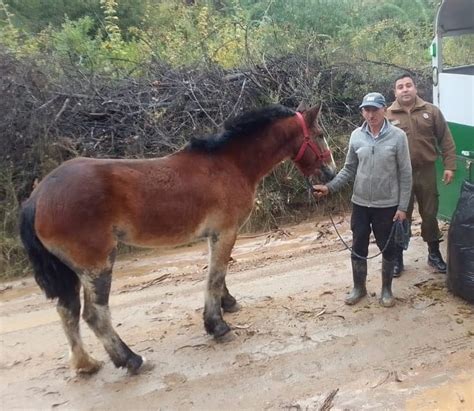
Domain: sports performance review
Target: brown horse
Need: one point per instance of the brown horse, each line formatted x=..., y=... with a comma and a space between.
x=74, y=219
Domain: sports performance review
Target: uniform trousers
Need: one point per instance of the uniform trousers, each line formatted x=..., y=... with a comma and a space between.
x=425, y=191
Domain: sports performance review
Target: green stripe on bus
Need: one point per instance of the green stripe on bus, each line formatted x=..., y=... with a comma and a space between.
x=463, y=136
x=449, y=194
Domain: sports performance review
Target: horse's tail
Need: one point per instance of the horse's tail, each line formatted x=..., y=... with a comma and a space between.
x=54, y=277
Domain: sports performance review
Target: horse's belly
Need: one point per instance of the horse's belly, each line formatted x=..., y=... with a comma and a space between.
x=160, y=234
x=155, y=241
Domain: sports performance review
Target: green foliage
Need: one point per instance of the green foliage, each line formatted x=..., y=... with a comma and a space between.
x=403, y=44
x=458, y=51
x=13, y=261
x=72, y=44
x=181, y=34
x=34, y=16
x=9, y=33
x=117, y=36
x=12, y=258
x=318, y=16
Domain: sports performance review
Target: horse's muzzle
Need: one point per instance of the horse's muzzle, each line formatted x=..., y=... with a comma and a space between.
x=326, y=174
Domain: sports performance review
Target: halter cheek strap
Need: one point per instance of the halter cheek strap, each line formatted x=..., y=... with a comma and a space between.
x=300, y=118
x=307, y=142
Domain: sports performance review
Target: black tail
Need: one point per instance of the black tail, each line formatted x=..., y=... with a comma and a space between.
x=55, y=278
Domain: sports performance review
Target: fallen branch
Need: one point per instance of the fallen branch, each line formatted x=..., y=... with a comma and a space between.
x=147, y=284
x=194, y=346
x=327, y=404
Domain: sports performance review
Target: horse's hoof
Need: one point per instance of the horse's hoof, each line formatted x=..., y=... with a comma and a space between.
x=136, y=364
x=220, y=330
x=233, y=308
x=91, y=366
x=228, y=337
x=146, y=366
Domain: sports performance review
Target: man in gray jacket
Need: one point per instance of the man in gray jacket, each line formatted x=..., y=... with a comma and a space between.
x=378, y=162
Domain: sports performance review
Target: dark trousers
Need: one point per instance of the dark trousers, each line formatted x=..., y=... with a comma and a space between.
x=367, y=219
x=425, y=191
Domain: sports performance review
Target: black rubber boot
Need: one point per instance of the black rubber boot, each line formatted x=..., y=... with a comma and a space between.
x=398, y=266
x=359, y=275
x=387, y=299
x=435, y=258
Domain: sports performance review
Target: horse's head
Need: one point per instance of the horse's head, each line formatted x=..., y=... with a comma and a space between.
x=313, y=156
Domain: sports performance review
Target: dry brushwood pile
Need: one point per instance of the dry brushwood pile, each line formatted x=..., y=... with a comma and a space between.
x=49, y=117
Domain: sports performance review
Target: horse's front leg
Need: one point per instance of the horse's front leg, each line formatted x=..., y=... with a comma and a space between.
x=220, y=248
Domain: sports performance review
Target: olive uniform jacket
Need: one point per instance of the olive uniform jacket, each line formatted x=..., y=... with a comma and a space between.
x=427, y=131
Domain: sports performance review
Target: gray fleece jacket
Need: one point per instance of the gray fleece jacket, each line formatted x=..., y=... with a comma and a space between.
x=380, y=168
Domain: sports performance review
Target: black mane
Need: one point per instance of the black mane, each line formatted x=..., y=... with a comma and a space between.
x=247, y=123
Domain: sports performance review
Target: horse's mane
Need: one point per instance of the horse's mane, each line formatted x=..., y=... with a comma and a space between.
x=245, y=124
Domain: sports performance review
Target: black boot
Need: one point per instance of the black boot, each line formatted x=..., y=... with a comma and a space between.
x=435, y=258
x=386, y=298
x=359, y=275
x=398, y=263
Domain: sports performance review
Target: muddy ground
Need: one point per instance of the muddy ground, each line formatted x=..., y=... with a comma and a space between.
x=296, y=345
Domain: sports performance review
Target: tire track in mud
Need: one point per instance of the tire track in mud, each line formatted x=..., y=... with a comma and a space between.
x=295, y=342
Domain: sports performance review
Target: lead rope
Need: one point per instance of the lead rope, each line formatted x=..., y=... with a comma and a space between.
x=392, y=230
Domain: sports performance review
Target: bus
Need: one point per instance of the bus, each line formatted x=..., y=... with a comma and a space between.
x=453, y=93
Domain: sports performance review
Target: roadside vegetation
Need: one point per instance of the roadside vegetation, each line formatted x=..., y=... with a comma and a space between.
x=138, y=78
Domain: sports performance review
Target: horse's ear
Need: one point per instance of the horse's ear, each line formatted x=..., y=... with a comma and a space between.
x=302, y=107
x=312, y=114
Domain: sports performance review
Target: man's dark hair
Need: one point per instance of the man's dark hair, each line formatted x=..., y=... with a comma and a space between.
x=405, y=75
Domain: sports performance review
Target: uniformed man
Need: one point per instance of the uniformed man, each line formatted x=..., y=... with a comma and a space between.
x=428, y=135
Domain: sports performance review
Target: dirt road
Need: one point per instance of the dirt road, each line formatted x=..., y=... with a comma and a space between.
x=296, y=345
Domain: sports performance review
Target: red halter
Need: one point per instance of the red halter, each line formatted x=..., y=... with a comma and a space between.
x=307, y=142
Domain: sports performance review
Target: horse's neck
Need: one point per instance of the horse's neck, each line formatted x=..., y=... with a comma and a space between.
x=258, y=158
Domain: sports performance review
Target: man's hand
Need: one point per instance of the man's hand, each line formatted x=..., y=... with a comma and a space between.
x=320, y=191
x=448, y=176
x=400, y=215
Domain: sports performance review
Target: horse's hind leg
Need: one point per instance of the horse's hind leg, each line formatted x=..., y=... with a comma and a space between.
x=97, y=315
x=69, y=309
x=217, y=295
